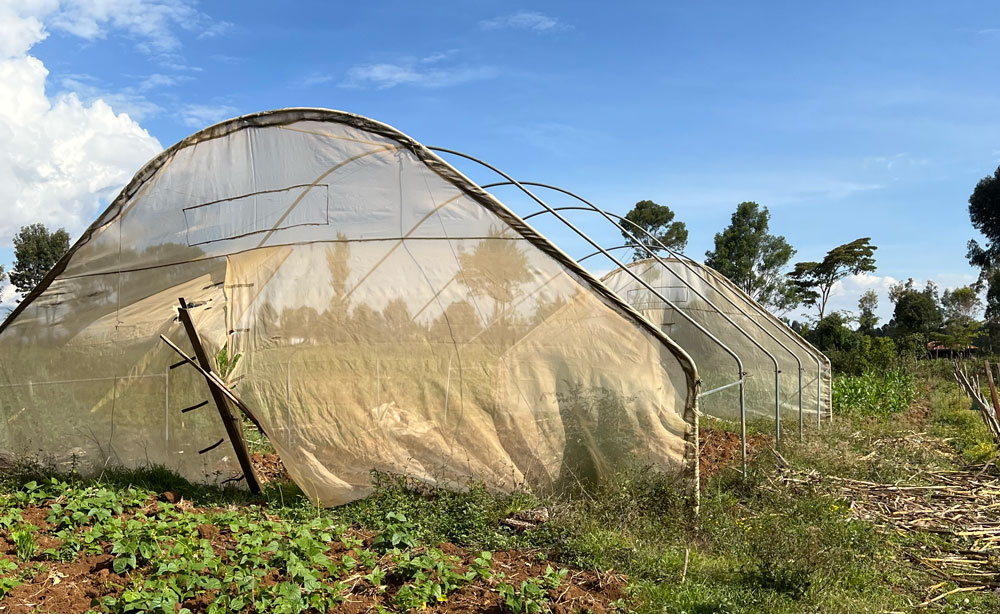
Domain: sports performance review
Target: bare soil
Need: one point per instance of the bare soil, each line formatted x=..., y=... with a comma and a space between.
x=722, y=449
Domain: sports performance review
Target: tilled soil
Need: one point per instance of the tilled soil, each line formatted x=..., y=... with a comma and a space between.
x=69, y=588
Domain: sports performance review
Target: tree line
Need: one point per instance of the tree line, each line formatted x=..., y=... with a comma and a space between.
x=752, y=258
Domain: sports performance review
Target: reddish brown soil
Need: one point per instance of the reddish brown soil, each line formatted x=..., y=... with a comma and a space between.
x=721, y=449
x=69, y=588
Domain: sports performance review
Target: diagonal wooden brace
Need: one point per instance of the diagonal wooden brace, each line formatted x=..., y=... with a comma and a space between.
x=230, y=420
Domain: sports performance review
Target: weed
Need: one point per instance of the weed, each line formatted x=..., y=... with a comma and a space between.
x=24, y=541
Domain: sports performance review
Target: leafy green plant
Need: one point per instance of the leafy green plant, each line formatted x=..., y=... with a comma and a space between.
x=396, y=534
x=9, y=579
x=528, y=598
x=225, y=362
x=24, y=541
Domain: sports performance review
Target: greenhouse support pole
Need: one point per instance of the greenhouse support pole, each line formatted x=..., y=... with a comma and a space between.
x=232, y=423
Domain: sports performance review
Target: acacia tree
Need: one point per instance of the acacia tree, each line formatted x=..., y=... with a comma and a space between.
x=753, y=258
x=658, y=221
x=867, y=304
x=36, y=251
x=984, y=212
x=815, y=280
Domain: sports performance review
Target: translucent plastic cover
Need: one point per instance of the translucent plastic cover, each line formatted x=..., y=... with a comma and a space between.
x=754, y=335
x=385, y=311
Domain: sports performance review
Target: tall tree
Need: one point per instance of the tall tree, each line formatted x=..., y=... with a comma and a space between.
x=36, y=251
x=657, y=220
x=959, y=308
x=984, y=212
x=916, y=312
x=753, y=258
x=867, y=304
x=815, y=280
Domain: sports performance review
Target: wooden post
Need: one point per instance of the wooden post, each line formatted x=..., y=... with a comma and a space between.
x=993, y=389
x=230, y=420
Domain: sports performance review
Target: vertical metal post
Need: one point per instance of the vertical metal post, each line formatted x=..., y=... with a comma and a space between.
x=802, y=425
x=234, y=427
x=743, y=427
x=777, y=414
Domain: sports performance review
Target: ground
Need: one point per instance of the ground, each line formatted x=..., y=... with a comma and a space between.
x=896, y=513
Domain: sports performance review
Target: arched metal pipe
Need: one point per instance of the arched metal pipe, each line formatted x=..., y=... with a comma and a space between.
x=595, y=245
x=818, y=356
x=611, y=218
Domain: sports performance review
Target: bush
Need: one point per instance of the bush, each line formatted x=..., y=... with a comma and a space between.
x=874, y=393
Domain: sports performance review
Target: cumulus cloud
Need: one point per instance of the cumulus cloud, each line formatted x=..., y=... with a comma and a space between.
x=523, y=20
x=63, y=158
x=424, y=72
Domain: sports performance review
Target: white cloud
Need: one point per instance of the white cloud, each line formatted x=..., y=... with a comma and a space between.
x=63, y=159
x=419, y=72
x=151, y=22
x=203, y=115
x=9, y=297
x=524, y=20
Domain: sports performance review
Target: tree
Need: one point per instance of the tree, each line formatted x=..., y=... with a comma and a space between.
x=658, y=221
x=36, y=251
x=752, y=258
x=867, y=320
x=916, y=312
x=984, y=212
x=815, y=280
x=959, y=308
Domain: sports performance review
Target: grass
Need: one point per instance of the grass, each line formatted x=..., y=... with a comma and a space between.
x=756, y=547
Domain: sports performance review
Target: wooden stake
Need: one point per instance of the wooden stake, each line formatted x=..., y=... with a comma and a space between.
x=234, y=427
x=993, y=389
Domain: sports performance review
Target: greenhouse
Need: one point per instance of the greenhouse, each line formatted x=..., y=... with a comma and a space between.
x=362, y=301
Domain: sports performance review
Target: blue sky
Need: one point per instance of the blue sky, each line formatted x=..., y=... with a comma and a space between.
x=845, y=119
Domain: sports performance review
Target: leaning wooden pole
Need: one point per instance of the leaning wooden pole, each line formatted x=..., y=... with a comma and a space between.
x=230, y=420
x=993, y=389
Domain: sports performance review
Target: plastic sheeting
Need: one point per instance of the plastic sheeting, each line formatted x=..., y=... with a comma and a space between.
x=674, y=280
x=388, y=314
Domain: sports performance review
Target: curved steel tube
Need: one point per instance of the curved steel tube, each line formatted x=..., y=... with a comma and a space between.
x=819, y=357
x=594, y=244
x=611, y=219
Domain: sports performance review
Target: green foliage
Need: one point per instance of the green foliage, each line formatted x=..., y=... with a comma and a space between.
x=867, y=304
x=24, y=541
x=984, y=212
x=658, y=221
x=874, y=393
x=225, y=363
x=9, y=578
x=815, y=280
x=852, y=352
x=36, y=250
x=528, y=598
x=916, y=312
x=752, y=258
x=395, y=535
x=964, y=429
